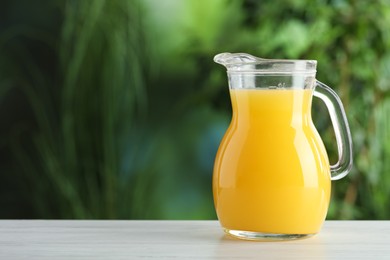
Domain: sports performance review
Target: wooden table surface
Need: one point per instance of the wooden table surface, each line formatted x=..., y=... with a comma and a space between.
x=75, y=239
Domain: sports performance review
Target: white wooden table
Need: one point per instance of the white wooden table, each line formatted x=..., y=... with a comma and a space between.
x=74, y=239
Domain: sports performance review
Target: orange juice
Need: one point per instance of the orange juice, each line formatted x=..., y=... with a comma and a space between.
x=271, y=173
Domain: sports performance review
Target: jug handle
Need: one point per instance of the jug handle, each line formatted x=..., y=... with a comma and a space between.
x=341, y=130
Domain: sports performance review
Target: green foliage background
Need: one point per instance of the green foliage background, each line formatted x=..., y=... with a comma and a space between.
x=114, y=109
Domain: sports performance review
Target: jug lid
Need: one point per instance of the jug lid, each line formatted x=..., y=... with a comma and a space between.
x=246, y=63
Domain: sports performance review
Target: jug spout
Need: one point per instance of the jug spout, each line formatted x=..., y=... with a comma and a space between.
x=228, y=58
x=243, y=62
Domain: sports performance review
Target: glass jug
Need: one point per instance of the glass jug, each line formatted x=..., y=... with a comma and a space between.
x=272, y=177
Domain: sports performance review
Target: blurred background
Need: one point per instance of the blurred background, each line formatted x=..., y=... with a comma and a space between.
x=115, y=109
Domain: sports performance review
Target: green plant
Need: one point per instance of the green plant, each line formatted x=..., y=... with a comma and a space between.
x=85, y=106
x=128, y=107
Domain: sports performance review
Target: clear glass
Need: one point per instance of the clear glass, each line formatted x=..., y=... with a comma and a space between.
x=341, y=130
x=272, y=176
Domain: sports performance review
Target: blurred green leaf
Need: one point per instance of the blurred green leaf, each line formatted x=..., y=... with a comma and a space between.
x=114, y=109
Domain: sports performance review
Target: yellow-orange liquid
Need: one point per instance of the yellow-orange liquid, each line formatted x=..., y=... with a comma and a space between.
x=271, y=172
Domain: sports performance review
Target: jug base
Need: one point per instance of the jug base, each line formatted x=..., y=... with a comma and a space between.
x=259, y=236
